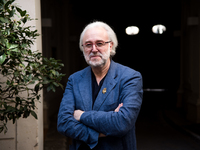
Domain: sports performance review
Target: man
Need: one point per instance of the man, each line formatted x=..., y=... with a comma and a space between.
x=101, y=102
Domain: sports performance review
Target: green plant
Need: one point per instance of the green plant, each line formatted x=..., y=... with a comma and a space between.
x=23, y=72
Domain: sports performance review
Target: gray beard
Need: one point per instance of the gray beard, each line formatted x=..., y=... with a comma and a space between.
x=100, y=63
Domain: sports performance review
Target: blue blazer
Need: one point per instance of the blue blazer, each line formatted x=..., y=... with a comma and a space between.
x=121, y=85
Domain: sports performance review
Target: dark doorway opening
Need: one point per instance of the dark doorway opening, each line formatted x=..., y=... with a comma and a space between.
x=156, y=56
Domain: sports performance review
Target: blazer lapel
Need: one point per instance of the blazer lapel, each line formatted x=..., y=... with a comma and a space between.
x=86, y=89
x=108, y=85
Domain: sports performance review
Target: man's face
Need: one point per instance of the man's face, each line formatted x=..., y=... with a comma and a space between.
x=96, y=47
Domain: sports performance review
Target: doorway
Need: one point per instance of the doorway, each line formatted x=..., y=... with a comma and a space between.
x=156, y=56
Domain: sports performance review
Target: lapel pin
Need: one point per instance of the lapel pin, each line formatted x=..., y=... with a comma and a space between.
x=104, y=91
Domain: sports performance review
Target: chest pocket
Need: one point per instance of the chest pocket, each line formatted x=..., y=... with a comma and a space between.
x=111, y=102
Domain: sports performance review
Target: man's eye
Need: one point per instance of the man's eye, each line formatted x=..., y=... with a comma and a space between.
x=100, y=44
x=88, y=45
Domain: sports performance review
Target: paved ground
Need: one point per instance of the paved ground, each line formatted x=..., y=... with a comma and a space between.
x=54, y=140
x=154, y=133
x=159, y=127
x=154, y=129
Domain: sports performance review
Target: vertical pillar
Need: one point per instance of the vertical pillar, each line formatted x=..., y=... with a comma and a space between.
x=30, y=131
x=190, y=65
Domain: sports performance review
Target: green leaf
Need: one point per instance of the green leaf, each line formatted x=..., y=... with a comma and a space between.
x=53, y=72
x=7, y=43
x=8, y=31
x=2, y=58
x=8, y=82
x=13, y=46
x=26, y=114
x=56, y=84
x=24, y=20
x=9, y=109
x=7, y=4
x=61, y=86
x=11, y=13
x=37, y=86
x=23, y=13
x=19, y=10
x=1, y=129
x=24, y=45
x=38, y=97
x=14, y=50
x=3, y=2
x=34, y=114
x=17, y=99
x=4, y=20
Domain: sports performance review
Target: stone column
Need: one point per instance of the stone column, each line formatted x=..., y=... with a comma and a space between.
x=30, y=130
x=190, y=56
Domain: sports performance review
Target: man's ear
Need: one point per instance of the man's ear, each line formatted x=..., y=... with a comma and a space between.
x=111, y=45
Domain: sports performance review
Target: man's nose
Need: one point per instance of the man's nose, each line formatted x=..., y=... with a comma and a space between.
x=94, y=48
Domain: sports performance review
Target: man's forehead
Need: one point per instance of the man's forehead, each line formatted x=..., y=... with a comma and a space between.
x=95, y=33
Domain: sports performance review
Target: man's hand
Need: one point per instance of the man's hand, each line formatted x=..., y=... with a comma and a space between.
x=77, y=114
x=101, y=135
x=117, y=109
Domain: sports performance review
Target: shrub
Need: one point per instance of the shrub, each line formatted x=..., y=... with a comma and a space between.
x=21, y=69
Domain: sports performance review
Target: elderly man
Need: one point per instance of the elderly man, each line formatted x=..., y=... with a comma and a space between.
x=101, y=102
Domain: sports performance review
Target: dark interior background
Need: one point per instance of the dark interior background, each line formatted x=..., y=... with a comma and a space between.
x=156, y=56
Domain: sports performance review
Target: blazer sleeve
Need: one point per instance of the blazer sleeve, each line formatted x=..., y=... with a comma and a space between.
x=119, y=123
x=68, y=126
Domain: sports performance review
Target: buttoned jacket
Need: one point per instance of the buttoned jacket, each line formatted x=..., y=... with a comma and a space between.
x=121, y=85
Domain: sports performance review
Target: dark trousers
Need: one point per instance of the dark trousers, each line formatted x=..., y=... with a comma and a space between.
x=84, y=147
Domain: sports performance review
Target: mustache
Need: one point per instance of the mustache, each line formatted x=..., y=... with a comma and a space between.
x=95, y=54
